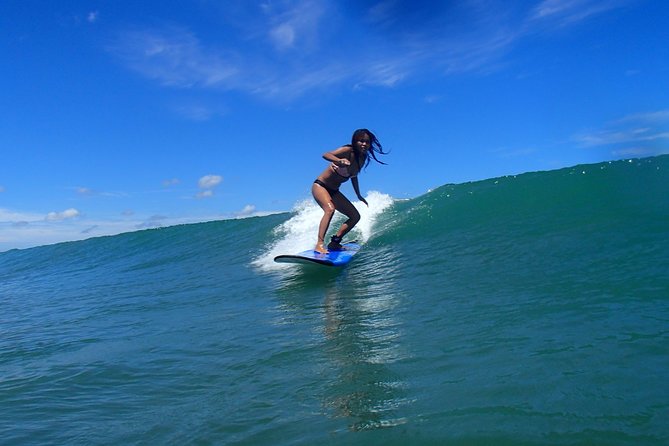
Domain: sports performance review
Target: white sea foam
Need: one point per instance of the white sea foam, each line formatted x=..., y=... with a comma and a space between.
x=299, y=233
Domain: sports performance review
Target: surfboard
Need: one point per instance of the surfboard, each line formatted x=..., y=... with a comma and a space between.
x=332, y=258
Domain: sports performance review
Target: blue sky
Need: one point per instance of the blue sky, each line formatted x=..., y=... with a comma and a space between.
x=120, y=115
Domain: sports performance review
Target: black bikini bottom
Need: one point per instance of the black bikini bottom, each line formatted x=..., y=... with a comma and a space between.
x=331, y=191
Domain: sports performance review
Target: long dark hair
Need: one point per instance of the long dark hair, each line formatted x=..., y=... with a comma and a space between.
x=375, y=147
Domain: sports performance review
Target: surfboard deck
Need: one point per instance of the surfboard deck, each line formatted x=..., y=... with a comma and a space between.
x=332, y=258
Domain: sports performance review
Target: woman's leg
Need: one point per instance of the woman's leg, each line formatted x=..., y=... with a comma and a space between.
x=343, y=205
x=324, y=200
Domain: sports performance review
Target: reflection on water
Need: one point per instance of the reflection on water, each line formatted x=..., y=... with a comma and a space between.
x=351, y=328
x=363, y=341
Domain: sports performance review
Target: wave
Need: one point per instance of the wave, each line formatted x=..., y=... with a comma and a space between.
x=605, y=195
x=299, y=232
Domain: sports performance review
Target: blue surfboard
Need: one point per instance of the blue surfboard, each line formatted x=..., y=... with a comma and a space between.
x=332, y=258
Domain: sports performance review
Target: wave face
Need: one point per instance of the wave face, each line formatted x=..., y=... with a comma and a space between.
x=528, y=309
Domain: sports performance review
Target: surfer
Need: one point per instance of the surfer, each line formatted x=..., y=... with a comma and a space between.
x=345, y=162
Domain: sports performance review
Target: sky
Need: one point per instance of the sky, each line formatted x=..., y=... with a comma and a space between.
x=120, y=115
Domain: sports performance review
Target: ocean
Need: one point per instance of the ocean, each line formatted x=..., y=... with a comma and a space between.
x=530, y=309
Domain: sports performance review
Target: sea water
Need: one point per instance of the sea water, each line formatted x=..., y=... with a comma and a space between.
x=521, y=310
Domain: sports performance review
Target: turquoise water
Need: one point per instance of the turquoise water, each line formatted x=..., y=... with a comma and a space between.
x=522, y=310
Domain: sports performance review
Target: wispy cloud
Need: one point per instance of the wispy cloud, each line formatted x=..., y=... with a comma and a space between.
x=290, y=48
x=638, y=134
x=90, y=229
x=656, y=117
x=567, y=12
x=609, y=137
x=155, y=221
x=504, y=152
x=198, y=112
x=11, y=216
x=24, y=229
x=84, y=191
x=283, y=36
x=176, y=57
x=294, y=24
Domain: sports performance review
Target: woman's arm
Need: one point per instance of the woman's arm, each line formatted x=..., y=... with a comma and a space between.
x=356, y=188
x=339, y=156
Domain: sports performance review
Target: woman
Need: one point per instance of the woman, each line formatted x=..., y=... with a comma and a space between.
x=346, y=162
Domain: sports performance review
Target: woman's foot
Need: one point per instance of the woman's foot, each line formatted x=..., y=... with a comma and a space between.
x=335, y=244
x=320, y=248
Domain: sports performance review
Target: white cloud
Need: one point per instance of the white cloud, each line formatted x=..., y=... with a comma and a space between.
x=64, y=215
x=247, y=211
x=209, y=181
x=92, y=16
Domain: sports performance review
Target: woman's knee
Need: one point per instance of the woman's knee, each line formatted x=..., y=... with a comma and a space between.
x=354, y=218
x=329, y=210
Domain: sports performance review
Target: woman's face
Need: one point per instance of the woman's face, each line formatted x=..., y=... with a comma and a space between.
x=362, y=142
